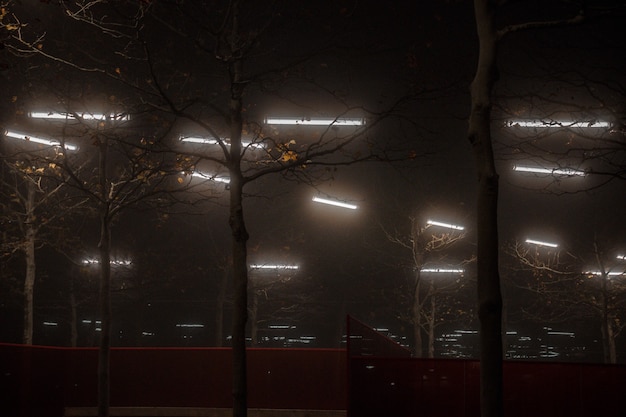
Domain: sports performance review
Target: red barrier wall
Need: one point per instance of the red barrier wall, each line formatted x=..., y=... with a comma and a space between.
x=409, y=387
x=41, y=381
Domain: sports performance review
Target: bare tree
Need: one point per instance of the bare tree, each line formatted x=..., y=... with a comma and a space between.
x=226, y=63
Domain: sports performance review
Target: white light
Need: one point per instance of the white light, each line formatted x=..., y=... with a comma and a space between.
x=190, y=325
x=35, y=139
x=611, y=274
x=447, y=225
x=206, y=141
x=443, y=270
x=550, y=171
x=622, y=257
x=570, y=334
x=540, y=243
x=314, y=122
x=50, y=323
x=115, y=262
x=215, y=178
x=266, y=266
x=84, y=116
x=557, y=124
x=334, y=203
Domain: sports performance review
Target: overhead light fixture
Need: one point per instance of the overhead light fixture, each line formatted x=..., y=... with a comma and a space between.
x=215, y=178
x=208, y=141
x=34, y=139
x=446, y=225
x=274, y=266
x=557, y=124
x=611, y=274
x=83, y=116
x=550, y=171
x=443, y=270
x=114, y=262
x=334, y=203
x=314, y=122
x=541, y=243
x=622, y=257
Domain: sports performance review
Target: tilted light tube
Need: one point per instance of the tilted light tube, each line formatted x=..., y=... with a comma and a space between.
x=557, y=124
x=314, y=122
x=83, y=116
x=541, y=243
x=447, y=225
x=47, y=142
x=443, y=270
x=550, y=171
x=334, y=203
x=276, y=266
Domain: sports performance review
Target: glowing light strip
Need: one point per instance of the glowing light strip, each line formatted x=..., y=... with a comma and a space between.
x=447, y=225
x=314, y=122
x=334, y=203
x=540, y=243
x=550, y=171
x=187, y=325
x=93, y=261
x=267, y=266
x=84, y=116
x=206, y=141
x=224, y=180
x=556, y=124
x=622, y=257
x=612, y=274
x=443, y=270
x=47, y=142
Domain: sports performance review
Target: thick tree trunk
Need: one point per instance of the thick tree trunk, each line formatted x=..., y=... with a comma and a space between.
x=416, y=310
x=488, y=285
x=29, y=252
x=104, y=351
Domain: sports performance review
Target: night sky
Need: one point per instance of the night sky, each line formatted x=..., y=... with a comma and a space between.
x=331, y=59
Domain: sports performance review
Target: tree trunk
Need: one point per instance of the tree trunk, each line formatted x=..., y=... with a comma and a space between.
x=239, y=234
x=488, y=285
x=431, y=320
x=219, y=309
x=254, y=324
x=104, y=351
x=29, y=252
x=417, y=317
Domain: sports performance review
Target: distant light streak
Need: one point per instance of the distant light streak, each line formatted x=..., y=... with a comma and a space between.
x=314, y=122
x=447, y=225
x=611, y=274
x=215, y=178
x=622, y=257
x=34, y=139
x=550, y=171
x=274, y=267
x=207, y=141
x=50, y=323
x=557, y=124
x=555, y=333
x=334, y=203
x=83, y=116
x=190, y=325
x=443, y=270
x=541, y=243
x=116, y=262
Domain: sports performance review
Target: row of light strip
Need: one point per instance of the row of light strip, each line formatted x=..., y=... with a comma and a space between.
x=92, y=261
x=446, y=225
x=443, y=270
x=334, y=203
x=207, y=141
x=314, y=122
x=35, y=139
x=556, y=124
x=550, y=171
x=83, y=116
x=274, y=267
x=541, y=243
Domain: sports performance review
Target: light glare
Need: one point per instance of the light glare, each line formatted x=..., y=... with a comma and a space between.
x=446, y=225
x=334, y=203
x=557, y=124
x=83, y=116
x=443, y=270
x=550, y=171
x=41, y=141
x=541, y=243
x=314, y=122
x=274, y=267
